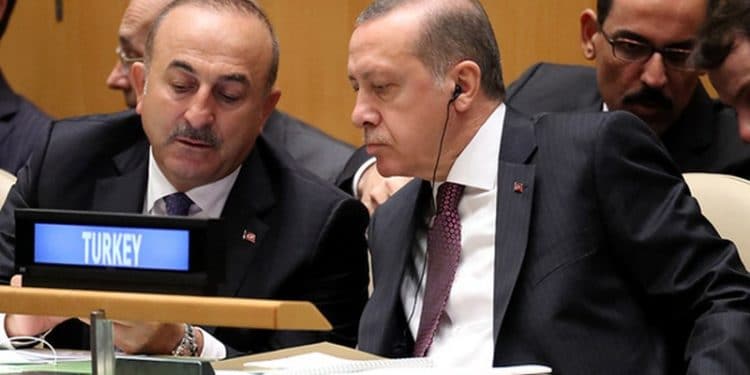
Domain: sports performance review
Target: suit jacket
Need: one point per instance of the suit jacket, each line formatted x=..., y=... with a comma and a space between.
x=704, y=138
x=311, y=148
x=21, y=126
x=603, y=264
x=309, y=235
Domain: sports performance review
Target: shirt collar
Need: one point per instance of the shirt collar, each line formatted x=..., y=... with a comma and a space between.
x=210, y=198
x=480, y=155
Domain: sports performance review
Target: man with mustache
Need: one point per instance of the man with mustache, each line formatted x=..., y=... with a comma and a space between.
x=641, y=51
x=204, y=90
x=313, y=149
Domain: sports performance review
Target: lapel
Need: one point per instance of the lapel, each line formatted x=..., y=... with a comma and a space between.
x=396, y=227
x=513, y=209
x=244, y=215
x=124, y=191
x=9, y=103
x=695, y=128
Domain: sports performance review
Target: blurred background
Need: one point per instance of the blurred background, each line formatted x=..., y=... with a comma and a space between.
x=58, y=53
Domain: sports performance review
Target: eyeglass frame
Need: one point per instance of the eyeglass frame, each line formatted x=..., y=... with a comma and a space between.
x=665, y=52
x=126, y=60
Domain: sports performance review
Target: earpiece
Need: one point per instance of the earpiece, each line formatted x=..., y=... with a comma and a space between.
x=456, y=92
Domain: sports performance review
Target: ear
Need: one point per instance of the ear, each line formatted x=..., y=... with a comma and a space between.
x=3, y=7
x=138, y=80
x=468, y=75
x=589, y=28
x=269, y=104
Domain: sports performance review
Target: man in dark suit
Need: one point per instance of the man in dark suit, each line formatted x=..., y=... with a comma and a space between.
x=21, y=123
x=316, y=151
x=567, y=240
x=641, y=51
x=203, y=92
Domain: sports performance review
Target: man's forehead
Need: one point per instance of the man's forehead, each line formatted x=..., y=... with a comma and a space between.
x=137, y=20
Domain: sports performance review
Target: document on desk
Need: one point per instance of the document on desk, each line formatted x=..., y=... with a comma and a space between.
x=319, y=363
x=37, y=356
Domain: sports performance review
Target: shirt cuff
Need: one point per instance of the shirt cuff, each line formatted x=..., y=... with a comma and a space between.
x=4, y=339
x=358, y=175
x=212, y=347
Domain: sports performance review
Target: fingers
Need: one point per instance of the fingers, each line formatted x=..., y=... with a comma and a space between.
x=30, y=325
x=16, y=280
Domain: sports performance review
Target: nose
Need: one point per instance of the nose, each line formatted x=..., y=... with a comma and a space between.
x=118, y=78
x=200, y=112
x=364, y=114
x=654, y=73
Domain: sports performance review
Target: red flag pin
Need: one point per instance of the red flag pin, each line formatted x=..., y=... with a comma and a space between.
x=248, y=236
x=518, y=187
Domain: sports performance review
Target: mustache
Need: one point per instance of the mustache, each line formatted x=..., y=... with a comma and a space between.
x=648, y=97
x=203, y=135
x=372, y=137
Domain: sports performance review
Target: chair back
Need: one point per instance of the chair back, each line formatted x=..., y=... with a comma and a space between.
x=6, y=182
x=725, y=202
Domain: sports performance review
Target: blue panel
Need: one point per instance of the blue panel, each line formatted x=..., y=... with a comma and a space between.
x=99, y=246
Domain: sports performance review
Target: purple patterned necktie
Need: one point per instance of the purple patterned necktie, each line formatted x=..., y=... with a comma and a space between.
x=443, y=253
x=178, y=204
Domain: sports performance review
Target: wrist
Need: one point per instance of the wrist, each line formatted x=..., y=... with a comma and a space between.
x=188, y=344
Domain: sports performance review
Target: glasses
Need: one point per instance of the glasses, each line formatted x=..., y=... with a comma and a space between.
x=631, y=51
x=125, y=59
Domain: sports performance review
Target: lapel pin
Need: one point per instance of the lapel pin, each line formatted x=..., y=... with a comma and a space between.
x=518, y=187
x=248, y=236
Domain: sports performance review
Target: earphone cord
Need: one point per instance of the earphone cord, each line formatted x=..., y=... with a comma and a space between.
x=434, y=173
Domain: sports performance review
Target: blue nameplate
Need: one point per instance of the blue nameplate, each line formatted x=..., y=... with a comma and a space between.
x=80, y=245
x=114, y=251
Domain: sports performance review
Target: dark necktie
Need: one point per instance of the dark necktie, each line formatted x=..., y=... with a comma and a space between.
x=178, y=204
x=443, y=253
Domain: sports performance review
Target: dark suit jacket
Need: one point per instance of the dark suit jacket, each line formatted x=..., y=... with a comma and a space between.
x=310, y=237
x=21, y=127
x=311, y=148
x=603, y=264
x=704, y=139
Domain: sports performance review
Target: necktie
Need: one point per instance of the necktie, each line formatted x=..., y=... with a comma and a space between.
x=178, y=204
x=443, y=253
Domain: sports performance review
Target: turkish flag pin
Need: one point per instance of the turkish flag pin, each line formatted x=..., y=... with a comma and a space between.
x=518, y=187
x=248, y=236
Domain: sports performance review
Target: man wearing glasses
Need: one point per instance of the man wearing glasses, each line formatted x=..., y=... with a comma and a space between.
x=641, y=51
x=310, y=147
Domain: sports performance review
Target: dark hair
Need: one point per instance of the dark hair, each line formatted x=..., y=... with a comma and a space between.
x=245, y=6
x=603, y=7
x=726, y=19
x=449, y=35
x=602, y=10
x=6, y=16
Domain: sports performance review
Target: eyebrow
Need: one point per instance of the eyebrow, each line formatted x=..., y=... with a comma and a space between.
x=231, y=77
x=682, y=44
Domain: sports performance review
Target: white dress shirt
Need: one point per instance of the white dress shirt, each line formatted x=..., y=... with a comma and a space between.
x=208, y=202
x=464, y=337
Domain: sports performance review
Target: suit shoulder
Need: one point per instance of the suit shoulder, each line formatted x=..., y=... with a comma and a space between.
x=99, y=126
x=548, y=87
x=295, y=176
x=282, y=127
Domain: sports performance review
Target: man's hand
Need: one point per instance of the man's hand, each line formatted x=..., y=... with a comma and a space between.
x=374, y=189
x=28, y=325
x=151, y=337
